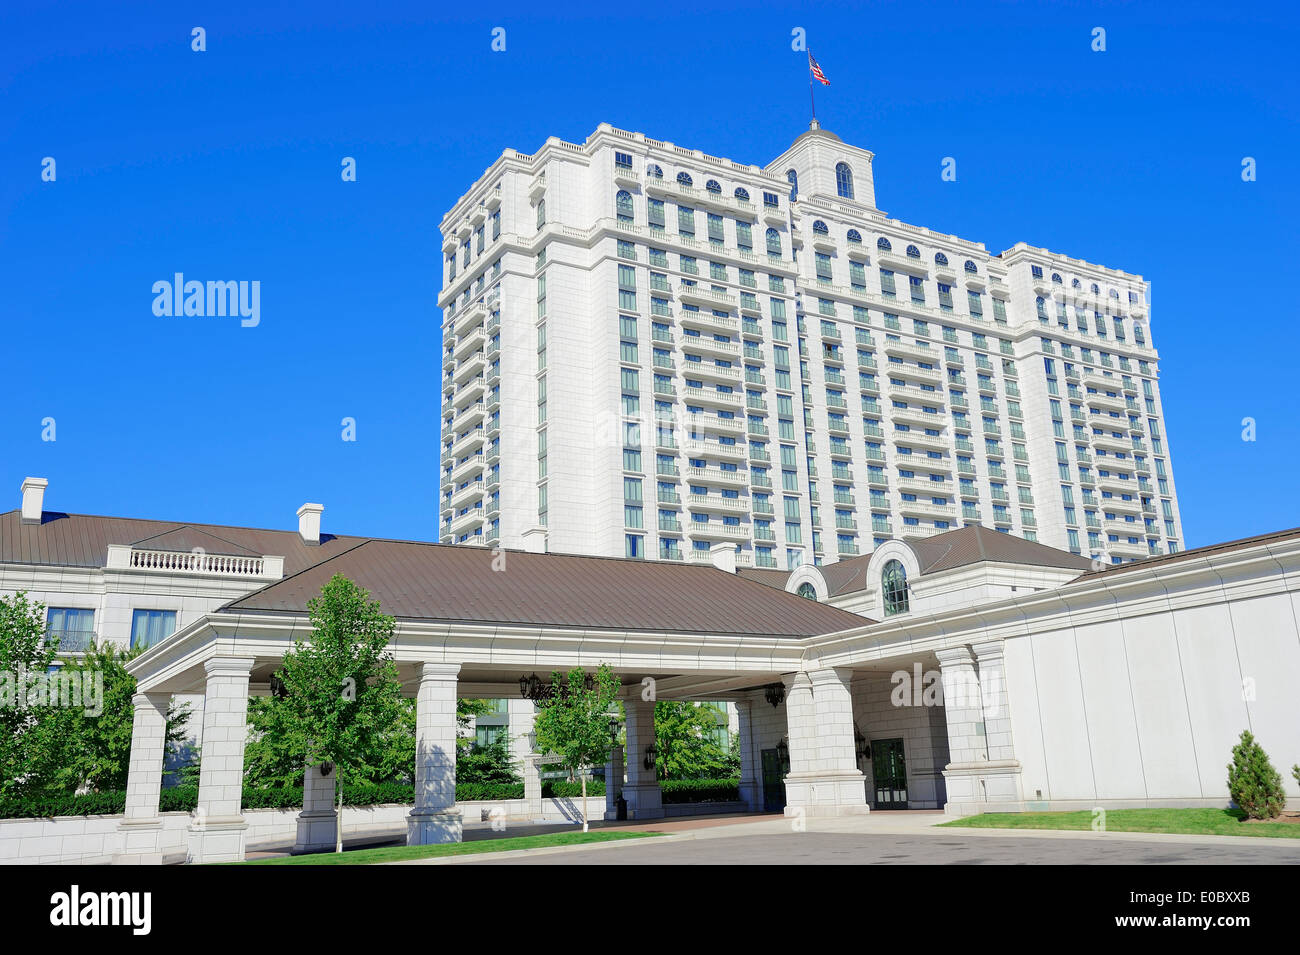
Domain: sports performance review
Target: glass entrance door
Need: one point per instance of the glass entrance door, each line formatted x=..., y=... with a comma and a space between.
x=773, y=781
x=889, y=773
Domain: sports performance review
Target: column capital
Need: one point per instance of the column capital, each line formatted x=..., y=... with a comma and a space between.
x=842, y=676
x=799, y=678
x=955, y=657
x=991, y=652
x=155, y=699
x=439, y=671
x=228, y=666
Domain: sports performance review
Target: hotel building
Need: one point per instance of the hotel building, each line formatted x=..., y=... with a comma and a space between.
x=653, y=352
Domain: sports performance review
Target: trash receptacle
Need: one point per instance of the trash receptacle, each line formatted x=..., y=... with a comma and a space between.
x=621, y=808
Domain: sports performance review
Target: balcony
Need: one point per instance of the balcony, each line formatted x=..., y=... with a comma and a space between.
x=927, y=508
x=719, y=399
x=712, y=298
x=901, y=349
x=919, y=439
x=463, y=523
x=717, y=530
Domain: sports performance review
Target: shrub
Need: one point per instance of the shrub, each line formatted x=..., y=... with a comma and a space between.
x=563, y=789
x=700, y=790
x=1255, y=786
x=485, y=791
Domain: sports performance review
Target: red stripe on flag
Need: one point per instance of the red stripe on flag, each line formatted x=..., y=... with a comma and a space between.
x=817, y=71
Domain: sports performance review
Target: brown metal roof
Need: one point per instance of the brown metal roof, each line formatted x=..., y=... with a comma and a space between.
x=1197, y=552
x=977, y=543
x=959, y=548
x=81, y=540
x=455, y=583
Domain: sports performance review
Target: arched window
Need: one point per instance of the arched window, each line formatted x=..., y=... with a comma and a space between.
x=654, y=172
x=820, y=227
x=971, y=267
x=913, y=252
x=793, y=178
x=855, y=236
x=844, y=180
x=1056, y=278
x=684, y=179
x=893, y=587
x=807, y=590
x=1074, y=283
x=940, y=259
x=742, y=193
x=1114, y=294
x=883, y=244
x=773, y=242
x=623, y=202
x=1041, y=304
x=541, y=213
x=713, y=186
x=1096, y=289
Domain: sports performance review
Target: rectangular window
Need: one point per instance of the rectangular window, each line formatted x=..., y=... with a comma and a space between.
x=73, y=629
x=149, y=627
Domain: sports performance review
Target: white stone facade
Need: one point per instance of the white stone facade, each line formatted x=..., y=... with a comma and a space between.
x=859, y=379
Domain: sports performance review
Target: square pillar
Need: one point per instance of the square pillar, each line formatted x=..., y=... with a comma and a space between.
x=523, y=746
x=141, y=827
x=751, y=789
x=217, y=832
x=983, y=774
x=613, y=781
x=644, y=797
x=435, y=817
x=824, y=778
x=318, y=821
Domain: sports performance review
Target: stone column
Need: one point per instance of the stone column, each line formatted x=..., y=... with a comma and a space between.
x=644, y=797
x=982, y=773
x=613, y=781
x=524, y=750
x=824, y=778
x=318, y=821
x=435, y=817
x=217, y=832
x=751, y=787
x=142, y=826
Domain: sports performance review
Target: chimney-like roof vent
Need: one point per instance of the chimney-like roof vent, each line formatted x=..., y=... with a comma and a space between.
x=309, y=523
x=34, y=499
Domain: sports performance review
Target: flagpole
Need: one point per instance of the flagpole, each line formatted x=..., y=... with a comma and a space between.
x=811, y=98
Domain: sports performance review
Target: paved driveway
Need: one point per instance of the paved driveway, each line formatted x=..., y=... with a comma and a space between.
x=839, y=848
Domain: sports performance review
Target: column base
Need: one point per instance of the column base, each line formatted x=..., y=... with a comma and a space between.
x=644, y=800
x=219, y=839
x=317, y=831
x=986, y=786
x=141, y=842
x=826, y=794
x=426, y=827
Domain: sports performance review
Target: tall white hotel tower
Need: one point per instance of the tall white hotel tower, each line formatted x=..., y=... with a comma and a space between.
x=653, y=352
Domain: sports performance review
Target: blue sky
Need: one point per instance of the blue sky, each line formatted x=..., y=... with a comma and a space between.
x=225, y=165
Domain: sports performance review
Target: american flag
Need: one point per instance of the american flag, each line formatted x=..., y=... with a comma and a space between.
x=817, y=70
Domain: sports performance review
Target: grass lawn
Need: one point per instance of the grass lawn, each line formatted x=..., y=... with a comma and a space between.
x=402, y=853
x=1199, y=822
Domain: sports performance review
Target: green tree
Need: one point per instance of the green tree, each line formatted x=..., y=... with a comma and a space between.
x=573, y=721
x=1255, y=786
x=686, y=738
x=24, y=649
x=85, y=748
x=343, y=697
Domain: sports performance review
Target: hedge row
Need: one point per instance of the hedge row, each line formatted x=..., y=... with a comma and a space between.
x=185, y=798
x=700, y=790
x=674, y=790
